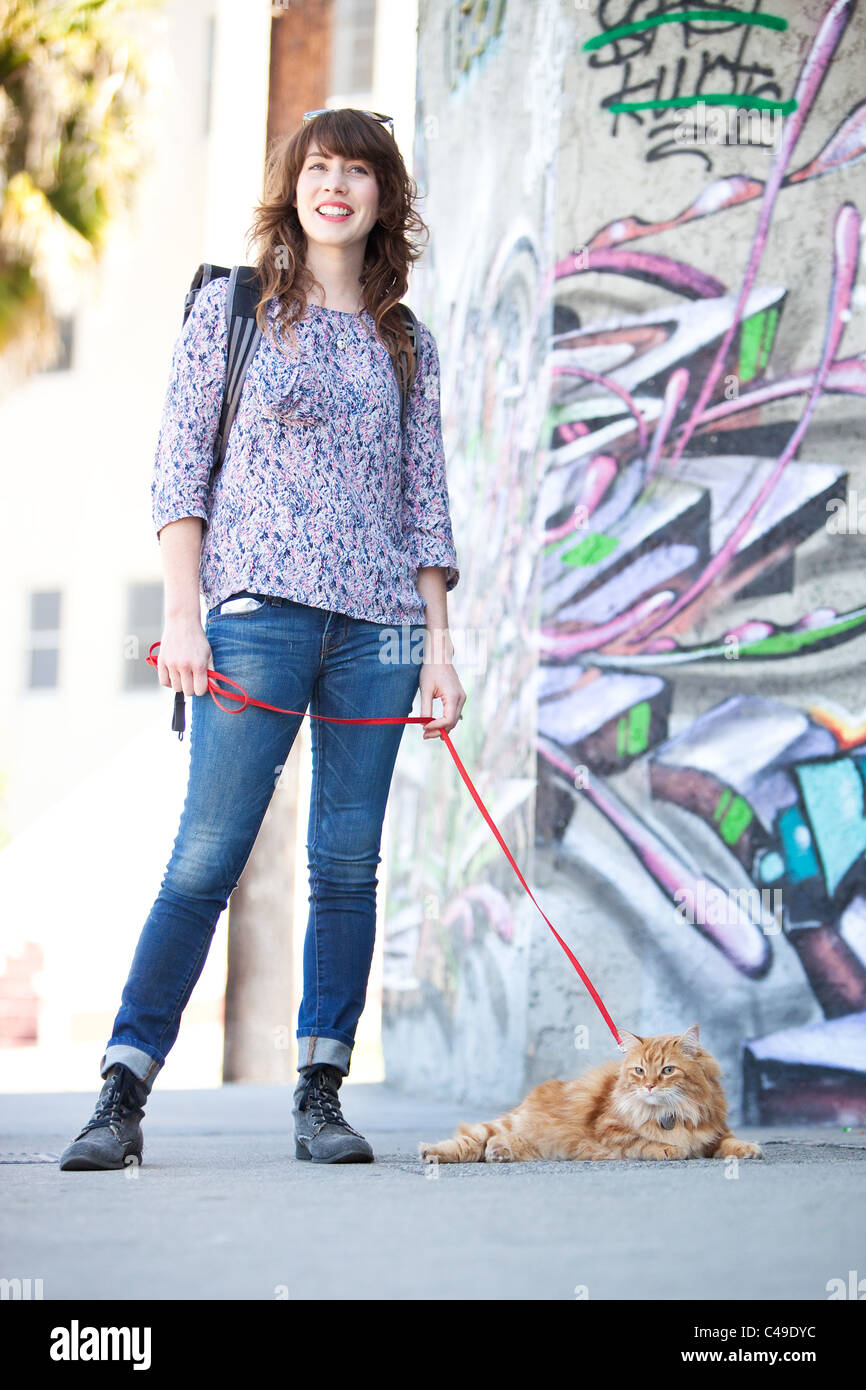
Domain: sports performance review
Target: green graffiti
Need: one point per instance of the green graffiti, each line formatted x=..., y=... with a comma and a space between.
x=736, y=820
x=633, y=729
x=590, y=550
x=707, y=99
x=785, y=643
x=639, y=727
x=722, y=13
x=723, y=803
x=476, y=22
x=769, y=336
x=756, y=340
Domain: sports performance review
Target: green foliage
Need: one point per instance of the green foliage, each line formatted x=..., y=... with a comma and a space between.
x=70, y=85
x=19, y=296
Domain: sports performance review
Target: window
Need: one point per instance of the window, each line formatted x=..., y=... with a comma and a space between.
x=44, y=640
x=353, y=38
x=209, y=58
x=143, y=628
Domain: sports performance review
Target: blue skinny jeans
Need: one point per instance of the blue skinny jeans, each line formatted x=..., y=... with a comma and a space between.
x=295, y=656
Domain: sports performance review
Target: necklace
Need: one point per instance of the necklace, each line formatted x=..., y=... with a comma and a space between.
x=356, y=315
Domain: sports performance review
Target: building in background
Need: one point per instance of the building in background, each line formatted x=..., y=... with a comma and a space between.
x=92, y=779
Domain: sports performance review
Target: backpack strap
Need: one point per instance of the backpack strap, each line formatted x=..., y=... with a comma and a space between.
x=404, y=380
x=202, y=277
x=244, y=336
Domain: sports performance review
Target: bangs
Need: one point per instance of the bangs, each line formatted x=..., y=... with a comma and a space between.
x=347, y=135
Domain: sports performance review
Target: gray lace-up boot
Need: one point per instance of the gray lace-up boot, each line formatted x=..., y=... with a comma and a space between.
x=321, y=1132
x=112, y=1137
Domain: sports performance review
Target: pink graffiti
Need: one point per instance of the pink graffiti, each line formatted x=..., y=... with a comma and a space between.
x=617, y=390
x=658, y=270
x=846, y=239
x=739, y=939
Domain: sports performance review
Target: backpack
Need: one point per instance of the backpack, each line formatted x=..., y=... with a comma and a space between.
x=244, y=336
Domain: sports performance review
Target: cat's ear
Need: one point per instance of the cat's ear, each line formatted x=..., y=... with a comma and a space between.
x=628, y=1040
x=689, y=1043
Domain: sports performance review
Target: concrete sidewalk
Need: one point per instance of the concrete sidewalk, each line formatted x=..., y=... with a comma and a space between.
x=221, y=1209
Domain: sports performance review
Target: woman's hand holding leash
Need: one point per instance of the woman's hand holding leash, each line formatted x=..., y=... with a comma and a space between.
x=185, y=657
x=439, y=680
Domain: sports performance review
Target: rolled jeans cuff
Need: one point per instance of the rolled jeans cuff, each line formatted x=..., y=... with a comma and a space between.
x=141, y=1064
x=315, y=1049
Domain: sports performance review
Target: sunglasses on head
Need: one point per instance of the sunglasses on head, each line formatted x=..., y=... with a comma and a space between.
x=386, y=121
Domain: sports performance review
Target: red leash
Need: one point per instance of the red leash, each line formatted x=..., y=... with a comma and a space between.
x=238, y=694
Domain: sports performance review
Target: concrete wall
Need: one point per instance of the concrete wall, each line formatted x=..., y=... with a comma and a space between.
x=651, y=327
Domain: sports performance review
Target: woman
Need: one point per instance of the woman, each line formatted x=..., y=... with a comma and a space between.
x=324, y=542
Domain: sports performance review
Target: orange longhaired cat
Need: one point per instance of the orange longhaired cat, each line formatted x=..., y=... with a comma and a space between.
x=663, y=1100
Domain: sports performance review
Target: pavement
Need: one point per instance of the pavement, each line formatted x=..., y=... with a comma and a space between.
x=221, y=1209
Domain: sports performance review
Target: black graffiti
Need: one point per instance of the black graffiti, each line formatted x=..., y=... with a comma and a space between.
x=696, y=71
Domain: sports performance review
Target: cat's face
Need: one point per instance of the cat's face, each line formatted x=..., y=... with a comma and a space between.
x=661, y=1073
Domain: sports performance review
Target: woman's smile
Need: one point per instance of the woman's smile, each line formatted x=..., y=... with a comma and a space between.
x=334, y=212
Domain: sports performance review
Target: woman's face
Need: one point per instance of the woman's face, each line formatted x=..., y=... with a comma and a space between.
x=332, y=182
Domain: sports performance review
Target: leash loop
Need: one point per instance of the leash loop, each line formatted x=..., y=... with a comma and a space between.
x=214, y=686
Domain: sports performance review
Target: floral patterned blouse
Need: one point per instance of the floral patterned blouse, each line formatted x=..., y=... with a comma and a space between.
x=319, y=498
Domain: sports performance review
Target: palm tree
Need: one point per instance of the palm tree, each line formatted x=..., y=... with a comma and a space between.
x=70, y=84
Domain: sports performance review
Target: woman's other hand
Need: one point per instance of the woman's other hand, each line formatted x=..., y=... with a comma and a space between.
x=185, y=656
x=439, y=680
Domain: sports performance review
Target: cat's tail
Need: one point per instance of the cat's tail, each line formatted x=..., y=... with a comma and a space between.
x=467, y=1146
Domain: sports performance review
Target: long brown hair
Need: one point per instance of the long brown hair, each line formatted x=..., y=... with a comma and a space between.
x=281, y=240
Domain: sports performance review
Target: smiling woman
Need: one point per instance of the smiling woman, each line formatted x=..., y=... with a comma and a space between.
x=353, y=260
x=339, y=193
x=327, y=527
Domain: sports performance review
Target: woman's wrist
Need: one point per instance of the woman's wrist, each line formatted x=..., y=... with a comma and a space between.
x=438, y=647
x=183, y=612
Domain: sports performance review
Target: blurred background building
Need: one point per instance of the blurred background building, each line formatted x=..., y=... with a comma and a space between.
x=93, y=780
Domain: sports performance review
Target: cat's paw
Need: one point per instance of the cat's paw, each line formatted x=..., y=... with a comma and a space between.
x=498, y=1152
x=738, y=1148
x=657, y=1151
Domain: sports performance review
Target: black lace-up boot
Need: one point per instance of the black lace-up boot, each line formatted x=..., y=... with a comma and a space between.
x=112, y=1137
x=321, y=1132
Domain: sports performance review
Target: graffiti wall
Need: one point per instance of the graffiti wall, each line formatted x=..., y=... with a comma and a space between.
x=646, y=283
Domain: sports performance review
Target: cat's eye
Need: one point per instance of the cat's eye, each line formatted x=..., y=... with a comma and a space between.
x=666, y=1071
x=639, y=1071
